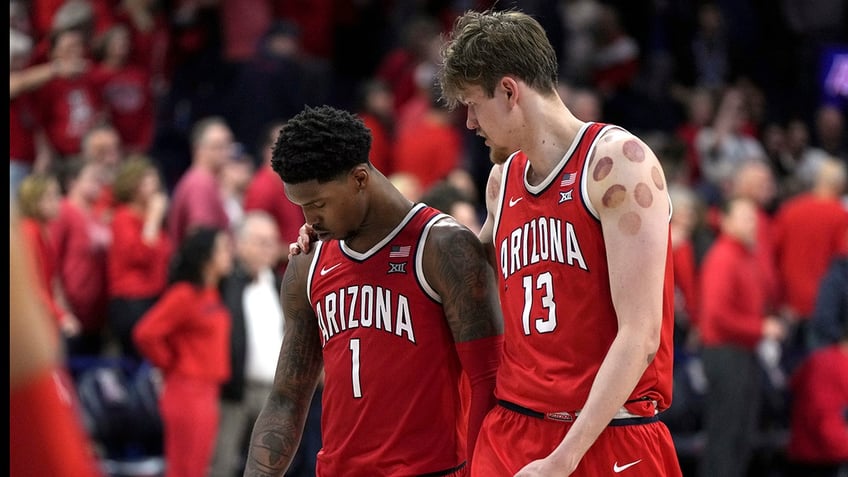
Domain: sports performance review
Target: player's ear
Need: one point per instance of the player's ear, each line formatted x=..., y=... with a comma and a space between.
x=509, y=87
x=360, y=175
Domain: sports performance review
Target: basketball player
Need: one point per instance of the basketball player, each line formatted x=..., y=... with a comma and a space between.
x=394, y=302
x=579, y=225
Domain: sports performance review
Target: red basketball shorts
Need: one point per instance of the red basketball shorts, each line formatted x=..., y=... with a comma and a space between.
x=509, y=440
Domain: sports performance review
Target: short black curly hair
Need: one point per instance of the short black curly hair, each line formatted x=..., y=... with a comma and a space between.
x=320, y=143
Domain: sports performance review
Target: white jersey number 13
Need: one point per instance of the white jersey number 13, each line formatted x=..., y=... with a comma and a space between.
x=544, y=282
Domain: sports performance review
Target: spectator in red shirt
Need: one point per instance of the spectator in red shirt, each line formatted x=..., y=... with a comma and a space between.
x=420, y=44
x=23, y=79
x=243, y=23
x=616, y=54
x=141, y=249
x=431, y=149
x=700, y=108
x=197, y=199
x=82, y=241
x=809, y=231
x=38, y=202
x=754, y=180
x=102, y=145
x=684, y=220
x=68, y=106
x=186, y=335
x=150, y=29
x=266, y=192
x=415, y=109
x=125, y=89
x=733, y=320
x=376, y=108
x=818, y=434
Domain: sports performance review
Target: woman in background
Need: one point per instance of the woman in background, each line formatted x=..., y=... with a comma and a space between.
x=38, y=202
x=137, y=262
x=186, y=335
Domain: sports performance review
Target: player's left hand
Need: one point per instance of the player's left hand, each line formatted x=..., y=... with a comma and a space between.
x=547, y=467
x=305, y=237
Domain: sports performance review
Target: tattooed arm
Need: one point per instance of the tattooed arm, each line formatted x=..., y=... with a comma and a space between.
x=627, y=188
x=279, y=427
x=456, y=267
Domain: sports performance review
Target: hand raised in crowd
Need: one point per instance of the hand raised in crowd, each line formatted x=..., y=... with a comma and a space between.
x=69, y=67
x=158, y=205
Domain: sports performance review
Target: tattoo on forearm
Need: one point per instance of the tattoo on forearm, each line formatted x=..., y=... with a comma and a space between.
x=272, y=448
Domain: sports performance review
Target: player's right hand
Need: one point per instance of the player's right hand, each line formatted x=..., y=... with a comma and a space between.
x=305, y=237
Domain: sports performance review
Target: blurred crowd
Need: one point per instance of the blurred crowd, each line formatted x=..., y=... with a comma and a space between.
x=135, y=123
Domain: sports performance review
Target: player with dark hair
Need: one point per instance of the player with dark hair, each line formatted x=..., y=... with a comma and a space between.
x=394, y=303
x=579, y=225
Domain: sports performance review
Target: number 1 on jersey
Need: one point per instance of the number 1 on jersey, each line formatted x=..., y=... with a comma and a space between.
x=543, y=325
x=354, y=371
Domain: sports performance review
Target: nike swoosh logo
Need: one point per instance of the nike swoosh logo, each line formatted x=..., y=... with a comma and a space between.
x=513, y=201
x=325, y=270
x=616, y=468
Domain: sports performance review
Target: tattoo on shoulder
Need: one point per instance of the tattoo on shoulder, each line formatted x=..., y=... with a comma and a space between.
x=467, y=285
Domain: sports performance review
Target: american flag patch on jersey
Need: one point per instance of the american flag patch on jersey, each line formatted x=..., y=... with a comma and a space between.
x=567, y=179
x=400, y=251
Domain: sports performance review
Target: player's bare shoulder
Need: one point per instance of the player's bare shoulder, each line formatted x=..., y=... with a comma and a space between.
x=456, y=266
x=451, y=242
x=625, y=181
x=493, y=186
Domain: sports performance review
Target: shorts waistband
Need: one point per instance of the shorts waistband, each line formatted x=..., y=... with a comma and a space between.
x=443, y=472
x=622, y=418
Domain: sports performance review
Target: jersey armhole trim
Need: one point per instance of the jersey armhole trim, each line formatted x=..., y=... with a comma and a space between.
x=318, y=246
x=419, y=259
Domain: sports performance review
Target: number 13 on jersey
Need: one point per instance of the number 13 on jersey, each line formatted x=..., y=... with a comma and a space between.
x=539, y=289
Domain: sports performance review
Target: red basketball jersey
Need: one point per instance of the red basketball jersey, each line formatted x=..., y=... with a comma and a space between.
x=559, y=320
x=391, y=398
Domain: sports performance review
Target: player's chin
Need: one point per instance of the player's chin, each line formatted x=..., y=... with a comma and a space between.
x=498, y=156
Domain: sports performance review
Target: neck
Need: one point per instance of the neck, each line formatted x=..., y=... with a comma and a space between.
x=825, y=192
x=388, y=207
x=549, y=130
